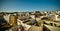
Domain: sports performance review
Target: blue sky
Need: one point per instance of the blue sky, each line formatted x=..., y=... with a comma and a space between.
x=29, y=5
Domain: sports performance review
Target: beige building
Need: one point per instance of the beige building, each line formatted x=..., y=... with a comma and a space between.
x=13, y=20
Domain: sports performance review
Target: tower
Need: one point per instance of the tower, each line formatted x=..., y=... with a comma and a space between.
x=13, y=20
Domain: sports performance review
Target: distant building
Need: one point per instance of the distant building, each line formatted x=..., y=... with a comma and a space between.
x=27, y=14
x=57, y=18
x=13, y=20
